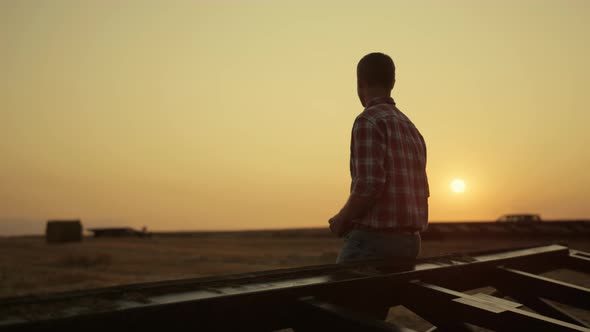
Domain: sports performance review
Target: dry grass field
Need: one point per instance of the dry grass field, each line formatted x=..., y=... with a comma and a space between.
x=30, y=266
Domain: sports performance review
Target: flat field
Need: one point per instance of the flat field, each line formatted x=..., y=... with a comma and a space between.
x=28, y=265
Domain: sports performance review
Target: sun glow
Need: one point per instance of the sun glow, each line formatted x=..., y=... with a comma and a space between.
x=458, y=186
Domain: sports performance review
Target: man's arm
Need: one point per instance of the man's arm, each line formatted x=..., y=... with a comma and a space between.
x=368, y=182
x=356, y=206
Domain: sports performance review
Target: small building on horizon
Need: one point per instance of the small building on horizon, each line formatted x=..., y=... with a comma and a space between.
x=63, y=231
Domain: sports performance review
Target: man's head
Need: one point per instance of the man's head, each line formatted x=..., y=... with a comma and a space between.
x=375, y=75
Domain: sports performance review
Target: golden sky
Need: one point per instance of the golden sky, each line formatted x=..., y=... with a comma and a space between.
x=237, y=114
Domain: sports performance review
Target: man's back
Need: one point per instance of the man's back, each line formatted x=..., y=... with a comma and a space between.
x=388, y=161
x=388, y=202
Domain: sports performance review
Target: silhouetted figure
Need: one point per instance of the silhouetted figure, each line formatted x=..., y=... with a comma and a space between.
x=388, y=203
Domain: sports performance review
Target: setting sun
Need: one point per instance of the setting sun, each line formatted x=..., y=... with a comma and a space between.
x=458, y=186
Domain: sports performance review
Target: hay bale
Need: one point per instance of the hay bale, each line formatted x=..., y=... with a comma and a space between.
x=62, y=231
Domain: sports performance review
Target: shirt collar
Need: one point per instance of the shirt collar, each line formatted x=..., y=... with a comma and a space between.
x=380, y=100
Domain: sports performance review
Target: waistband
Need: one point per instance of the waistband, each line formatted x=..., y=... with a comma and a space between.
x=397, y=230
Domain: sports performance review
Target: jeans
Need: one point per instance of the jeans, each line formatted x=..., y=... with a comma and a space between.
x=363, y=244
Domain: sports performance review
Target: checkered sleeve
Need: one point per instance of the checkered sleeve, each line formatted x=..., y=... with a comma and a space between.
x=368, y=148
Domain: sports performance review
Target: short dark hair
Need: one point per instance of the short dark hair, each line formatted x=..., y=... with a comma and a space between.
x=377, y=69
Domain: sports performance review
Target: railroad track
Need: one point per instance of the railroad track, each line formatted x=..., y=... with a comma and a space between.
x=331, y=297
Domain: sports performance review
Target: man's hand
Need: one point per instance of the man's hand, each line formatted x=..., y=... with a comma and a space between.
x=339, y=226
x=356, y=206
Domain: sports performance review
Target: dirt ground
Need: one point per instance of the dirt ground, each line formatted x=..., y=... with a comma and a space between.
x=30, y=266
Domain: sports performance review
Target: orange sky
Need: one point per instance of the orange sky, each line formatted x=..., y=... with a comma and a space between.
x=237, y=114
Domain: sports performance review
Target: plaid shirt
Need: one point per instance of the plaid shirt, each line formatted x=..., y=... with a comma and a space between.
x=388, y=162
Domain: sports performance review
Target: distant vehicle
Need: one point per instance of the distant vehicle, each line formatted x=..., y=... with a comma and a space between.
x=521, y=218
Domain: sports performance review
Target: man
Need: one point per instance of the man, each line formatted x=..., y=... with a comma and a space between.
x=388, y=203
